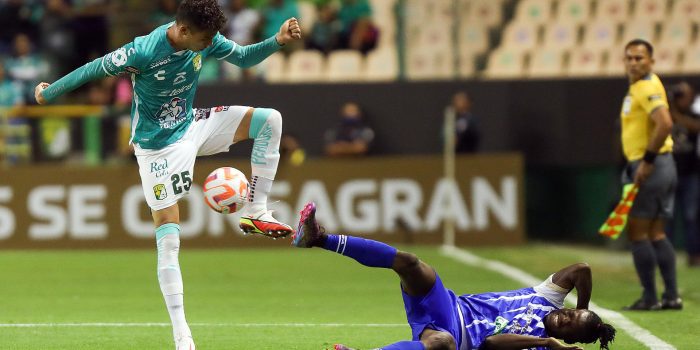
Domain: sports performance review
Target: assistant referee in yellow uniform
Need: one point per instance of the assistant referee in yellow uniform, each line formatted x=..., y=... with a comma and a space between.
x=647, y=144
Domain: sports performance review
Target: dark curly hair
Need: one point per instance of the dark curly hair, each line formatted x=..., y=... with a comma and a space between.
x=597, y=330
x=204, y=15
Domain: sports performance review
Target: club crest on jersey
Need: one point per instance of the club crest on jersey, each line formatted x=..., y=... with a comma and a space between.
x=197, y=62
x=500, y=324
x=172, y=113
x=160, y=192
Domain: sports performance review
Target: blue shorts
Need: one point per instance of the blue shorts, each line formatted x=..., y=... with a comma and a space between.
x=436, y=310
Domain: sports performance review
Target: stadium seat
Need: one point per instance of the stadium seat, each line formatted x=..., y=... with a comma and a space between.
x=547, y=62
x=616, y=11
x=600, y=34
x=639, y=30
x=308, y=13
x=666, y=59
x=344, y=65
x=437, y=35
x=685, y=9
x=381, y=65
x=305, y=66
x=585, y=62
x=424, y=64
x=466, y=65
x=473, y=38
x=520, y=36
x=534, y=11
x=385, y=20
x=676, y=33
x=487, y=12
x=560, y=35
x=274, y=68
x=505, y=63
x=573, y=11
x=614, y=63
x=691, y=60
x=650, y=10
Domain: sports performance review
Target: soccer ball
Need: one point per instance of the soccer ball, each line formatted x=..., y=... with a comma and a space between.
x=226, y=190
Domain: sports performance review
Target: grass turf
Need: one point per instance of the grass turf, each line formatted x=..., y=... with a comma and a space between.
x=277, y=298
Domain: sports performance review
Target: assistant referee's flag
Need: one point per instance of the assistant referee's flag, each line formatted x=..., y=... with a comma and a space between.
x=613, y=226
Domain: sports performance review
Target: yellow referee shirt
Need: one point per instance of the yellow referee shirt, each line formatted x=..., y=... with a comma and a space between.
x=643, y=97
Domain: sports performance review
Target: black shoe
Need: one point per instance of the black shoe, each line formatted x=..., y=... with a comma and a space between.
x=643, y=305
x=672, y=304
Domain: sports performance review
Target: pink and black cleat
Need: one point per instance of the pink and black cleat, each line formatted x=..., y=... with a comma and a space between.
x=308, y=232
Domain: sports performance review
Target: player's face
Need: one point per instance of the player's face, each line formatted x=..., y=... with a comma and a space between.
x=568, y=324
x=638, y=62
x=198, y=40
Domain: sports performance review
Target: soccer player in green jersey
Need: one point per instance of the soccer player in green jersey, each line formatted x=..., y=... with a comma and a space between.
x=168, y=134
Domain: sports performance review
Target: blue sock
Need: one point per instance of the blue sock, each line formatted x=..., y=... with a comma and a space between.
x=404, y=345
x=366, y=251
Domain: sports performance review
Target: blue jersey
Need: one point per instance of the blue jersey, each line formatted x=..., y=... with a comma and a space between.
x=164, y=80
x=520, y=311
x=471, y=318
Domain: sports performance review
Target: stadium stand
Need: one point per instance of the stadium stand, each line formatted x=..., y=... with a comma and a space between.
x=667, y=59
x=615, y=11
x=600, y=34
x=691, y=60
x=534, y=11
x=677, y=33
x=520, y=36
x=639, y=30
x=505, y=63
x=275, y=68
x=650, y=11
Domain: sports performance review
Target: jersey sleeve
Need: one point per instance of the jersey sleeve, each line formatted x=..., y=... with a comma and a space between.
x=552, y=292
x=650, y=96
x=113, y=63
x=222, y=47
x=242, y=56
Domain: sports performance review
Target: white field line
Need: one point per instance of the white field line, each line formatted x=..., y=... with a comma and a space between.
x=617, y=319
x=240, y=325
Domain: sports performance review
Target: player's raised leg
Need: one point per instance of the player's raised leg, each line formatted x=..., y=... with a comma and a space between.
x=265, y=128
x=169, y=275
x=417, y=277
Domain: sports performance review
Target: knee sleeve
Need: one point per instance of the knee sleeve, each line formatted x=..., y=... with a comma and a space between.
x=168, y=244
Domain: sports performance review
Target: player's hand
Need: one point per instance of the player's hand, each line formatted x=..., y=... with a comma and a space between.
x=38, y=93
x=643, y=172
x=289, y=31
x=555, y=344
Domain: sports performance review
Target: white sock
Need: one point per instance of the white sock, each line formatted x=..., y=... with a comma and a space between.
x=259, y=190
x=170, y=277
x=265, y=156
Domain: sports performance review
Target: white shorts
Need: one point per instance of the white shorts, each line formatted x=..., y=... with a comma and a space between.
x=167, y=173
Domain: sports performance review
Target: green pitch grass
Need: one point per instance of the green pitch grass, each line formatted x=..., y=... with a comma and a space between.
x=276, y=298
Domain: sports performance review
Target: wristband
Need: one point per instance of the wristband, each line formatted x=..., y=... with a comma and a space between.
x=649, y=157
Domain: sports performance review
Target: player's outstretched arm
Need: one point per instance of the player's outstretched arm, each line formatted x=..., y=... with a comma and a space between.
x=250, y=55
x=576, y=276
x=110, y=64
x=518, y=341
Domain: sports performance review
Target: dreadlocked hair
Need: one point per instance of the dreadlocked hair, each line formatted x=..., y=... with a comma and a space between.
x=606, y=335
x=205, y=15
x=596, y=330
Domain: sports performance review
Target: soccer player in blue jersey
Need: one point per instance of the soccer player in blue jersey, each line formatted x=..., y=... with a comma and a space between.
x=168, y=134
x=519, y=319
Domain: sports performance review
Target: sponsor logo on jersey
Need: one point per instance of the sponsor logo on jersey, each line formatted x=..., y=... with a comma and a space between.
x=197, y=62
x=160, y=192
x=201, y=114
x=177, y=91
x=172, y=113
x=220, y=109
x=626, y=105
x=159, y=167
x=132, y=70
x=160, y=63
x=653, y=98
